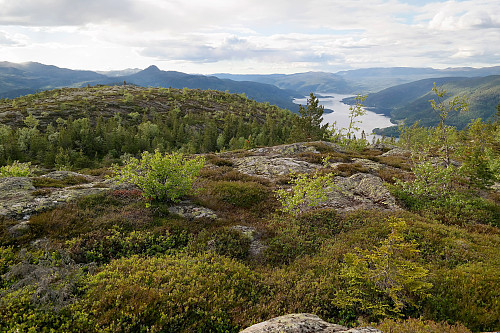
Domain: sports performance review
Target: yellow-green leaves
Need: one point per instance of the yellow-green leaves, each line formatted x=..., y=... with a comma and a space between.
x=16, y=169
x=306, y=192
x=161, y=177
x=383, y=280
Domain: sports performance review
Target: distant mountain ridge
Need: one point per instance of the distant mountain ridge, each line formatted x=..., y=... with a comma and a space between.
x=391, y=88
x=360, y=81
x=27, y=78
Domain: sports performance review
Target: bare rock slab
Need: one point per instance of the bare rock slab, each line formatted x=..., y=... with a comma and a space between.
x=303, y=323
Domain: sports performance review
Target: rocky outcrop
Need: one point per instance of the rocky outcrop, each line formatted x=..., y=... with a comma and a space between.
x=270, y=167
x=296, y=148
x=256, y=246
x=20, y=199
x=360, y=191
x=303, y=323
x=190, y=211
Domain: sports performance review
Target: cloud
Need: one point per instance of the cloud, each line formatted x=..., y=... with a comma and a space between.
x=63, y=12
x=245, y=34
x=7, y=40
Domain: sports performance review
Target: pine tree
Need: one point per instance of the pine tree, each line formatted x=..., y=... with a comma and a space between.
x=308, y=124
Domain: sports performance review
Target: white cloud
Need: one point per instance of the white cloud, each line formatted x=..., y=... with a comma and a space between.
x=251, y=35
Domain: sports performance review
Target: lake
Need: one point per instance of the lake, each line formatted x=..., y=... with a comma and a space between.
x=340, y=114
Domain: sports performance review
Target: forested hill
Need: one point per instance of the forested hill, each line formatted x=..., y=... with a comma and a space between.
x=28, y=78
x=410, y=101
x=78, y=126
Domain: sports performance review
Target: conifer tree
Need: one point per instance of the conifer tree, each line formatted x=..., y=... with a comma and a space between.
x=308, y=124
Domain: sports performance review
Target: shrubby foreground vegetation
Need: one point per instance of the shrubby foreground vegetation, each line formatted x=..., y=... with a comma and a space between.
x=120, y=262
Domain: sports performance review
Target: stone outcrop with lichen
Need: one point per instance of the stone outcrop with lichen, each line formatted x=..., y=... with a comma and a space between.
x=20, y=199
x=363, y=190
x=303, y=323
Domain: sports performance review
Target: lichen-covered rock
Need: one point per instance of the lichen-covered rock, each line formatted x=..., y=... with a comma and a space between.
x=19, y=200
x=16, y=192
x=397, y=152
x=191, y=211
x=296, y=148
x=256, y=246
x=368, y=164
x=360, y=191
x=303, y=323
x=62, y=175
x=271, y=167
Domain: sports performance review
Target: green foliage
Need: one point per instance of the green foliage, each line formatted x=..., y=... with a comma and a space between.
x=308, y=124
x=16, y=169
x=204, y=293
x=443, y=109
x=306, y=192
x=238, y=193
x=103, y=125
x=468, y=294
x=431, y=181
x=104, y=246
x=161, y=177
x=346, y=136
x=225, y=242
x=451, y=208
x=412, y=325
x=296, y=237
x=384, y=280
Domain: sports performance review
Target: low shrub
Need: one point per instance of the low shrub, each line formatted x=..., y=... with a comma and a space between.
x=104, y=246
x=161, y=177
x=454, y=208
x=468, y=294
x=238, y=193
x=59, y=183
x=16, y=169
x=181, y=293
x=412, y=325
x=218, y=161
x=225, y=242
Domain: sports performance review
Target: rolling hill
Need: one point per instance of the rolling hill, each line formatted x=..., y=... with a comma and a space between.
x=27, y=78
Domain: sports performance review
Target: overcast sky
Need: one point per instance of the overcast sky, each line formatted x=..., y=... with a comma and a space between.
x=250, y=36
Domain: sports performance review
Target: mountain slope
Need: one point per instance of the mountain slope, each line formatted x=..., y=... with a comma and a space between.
x=261, y=92
x=27, y=78
x=302, y=82
x=377, y=79
x=410, y=102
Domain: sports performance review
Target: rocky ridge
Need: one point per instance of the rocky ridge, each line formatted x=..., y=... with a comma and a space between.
x=22, y=196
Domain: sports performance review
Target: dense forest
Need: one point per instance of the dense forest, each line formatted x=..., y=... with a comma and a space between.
x=82, y=127
x=204, y=211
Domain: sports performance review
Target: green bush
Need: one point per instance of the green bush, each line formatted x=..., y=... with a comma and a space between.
x=240, y=194
x=384, y=280
x=16, y=169
x=419, y=326
x=205, y=293
x=161, y=177
x=104, y=246
x=468, y=294
x=307, y=191
x=454, y=208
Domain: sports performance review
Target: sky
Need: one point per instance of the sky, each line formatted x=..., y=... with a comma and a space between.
x=250, y=36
